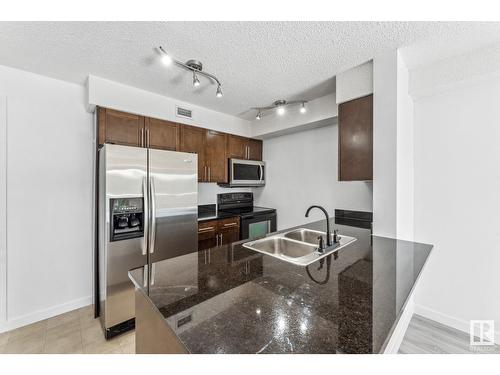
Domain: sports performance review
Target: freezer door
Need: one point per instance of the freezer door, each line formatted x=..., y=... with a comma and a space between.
x=123, y=176
x=174, y=204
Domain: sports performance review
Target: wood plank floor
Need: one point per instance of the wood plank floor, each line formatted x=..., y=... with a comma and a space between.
x=426, y=336
x=78, y=332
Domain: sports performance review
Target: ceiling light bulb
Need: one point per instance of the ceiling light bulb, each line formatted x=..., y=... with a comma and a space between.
x=303, y=108
x=196, y=81
x=219, y=92
x=258, y=116
x=281, y=110
x=166, y=59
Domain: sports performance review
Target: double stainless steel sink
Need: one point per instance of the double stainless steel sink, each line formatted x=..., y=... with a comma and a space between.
x=299, y=246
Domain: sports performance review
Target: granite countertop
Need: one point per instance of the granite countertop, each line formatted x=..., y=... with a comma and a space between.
x=230, y=299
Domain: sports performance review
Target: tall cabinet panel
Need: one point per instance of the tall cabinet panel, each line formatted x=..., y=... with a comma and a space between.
x=356, y=139
x=193, y=140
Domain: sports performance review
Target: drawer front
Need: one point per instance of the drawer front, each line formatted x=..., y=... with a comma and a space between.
x=207, y=230
x=229, y=224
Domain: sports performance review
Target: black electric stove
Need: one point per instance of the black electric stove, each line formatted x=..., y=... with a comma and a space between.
x=255, y=221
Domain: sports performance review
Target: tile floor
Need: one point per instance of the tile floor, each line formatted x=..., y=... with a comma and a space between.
x=74, y=332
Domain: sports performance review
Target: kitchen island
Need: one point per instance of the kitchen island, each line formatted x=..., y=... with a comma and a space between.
x=230, y=299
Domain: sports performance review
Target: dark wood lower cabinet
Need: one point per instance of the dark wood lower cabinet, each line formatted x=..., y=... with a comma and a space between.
x=356, y=139
x=229, y=231
x=218, y=232
x=207, y=234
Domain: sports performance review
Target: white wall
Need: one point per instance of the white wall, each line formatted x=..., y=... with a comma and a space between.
x=392, y=148
x=405, y=156
x=354, y=83
x=3, y=210
x=105, y=93
x=302, y=171
x=457, y=200
x=385, y=144
x=207, y=192
x=49, y=197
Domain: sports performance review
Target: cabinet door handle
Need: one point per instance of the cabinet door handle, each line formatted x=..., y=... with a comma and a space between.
x=206, y=229
x=141, y=141
x=148, y=136
x=246, y=152
x=205, y=171
x=220, y=239
x=231, y=225
x=208, y=173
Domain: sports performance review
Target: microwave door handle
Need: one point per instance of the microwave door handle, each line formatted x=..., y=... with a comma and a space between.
x=145, y=216
x=153, y=215
x=261, y=172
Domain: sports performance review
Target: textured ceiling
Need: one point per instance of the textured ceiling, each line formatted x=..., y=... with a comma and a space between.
x=257, y=62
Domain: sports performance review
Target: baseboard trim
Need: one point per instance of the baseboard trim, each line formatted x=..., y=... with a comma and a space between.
x=45, y=314
x=398, y=334
x=448, y=320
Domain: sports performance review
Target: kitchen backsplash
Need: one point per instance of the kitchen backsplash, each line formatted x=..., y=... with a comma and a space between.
x=207, y=192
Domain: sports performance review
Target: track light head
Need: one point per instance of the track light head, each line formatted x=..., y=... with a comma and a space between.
x=303, y=108
x=219, y=92
x=280, y=110
x=258, y=116
x=166, y=59
x=196, y=81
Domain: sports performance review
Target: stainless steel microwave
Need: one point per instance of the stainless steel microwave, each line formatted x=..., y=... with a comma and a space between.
x=246, y=172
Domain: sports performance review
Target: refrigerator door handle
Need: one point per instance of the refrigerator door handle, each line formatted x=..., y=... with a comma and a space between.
x=153, y=215
x=145, y=216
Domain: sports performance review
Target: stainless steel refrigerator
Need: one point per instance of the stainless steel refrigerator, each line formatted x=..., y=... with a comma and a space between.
x=147, y=212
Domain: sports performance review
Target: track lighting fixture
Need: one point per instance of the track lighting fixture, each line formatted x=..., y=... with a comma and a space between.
x=303, y=108
x=166, y=59
x=280, y=107
x=194, y=66
x=219, y=92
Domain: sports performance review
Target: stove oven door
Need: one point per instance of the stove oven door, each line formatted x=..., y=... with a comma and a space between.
x=257, y=226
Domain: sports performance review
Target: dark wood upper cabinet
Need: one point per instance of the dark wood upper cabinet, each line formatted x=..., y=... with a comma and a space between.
x=215, y=156
x=236, y=147
x=213, y=148
x=120, y=127
x=193, y=140
x=254, y=149
x=356, y=139
x=162, y=134
x=243, y=148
